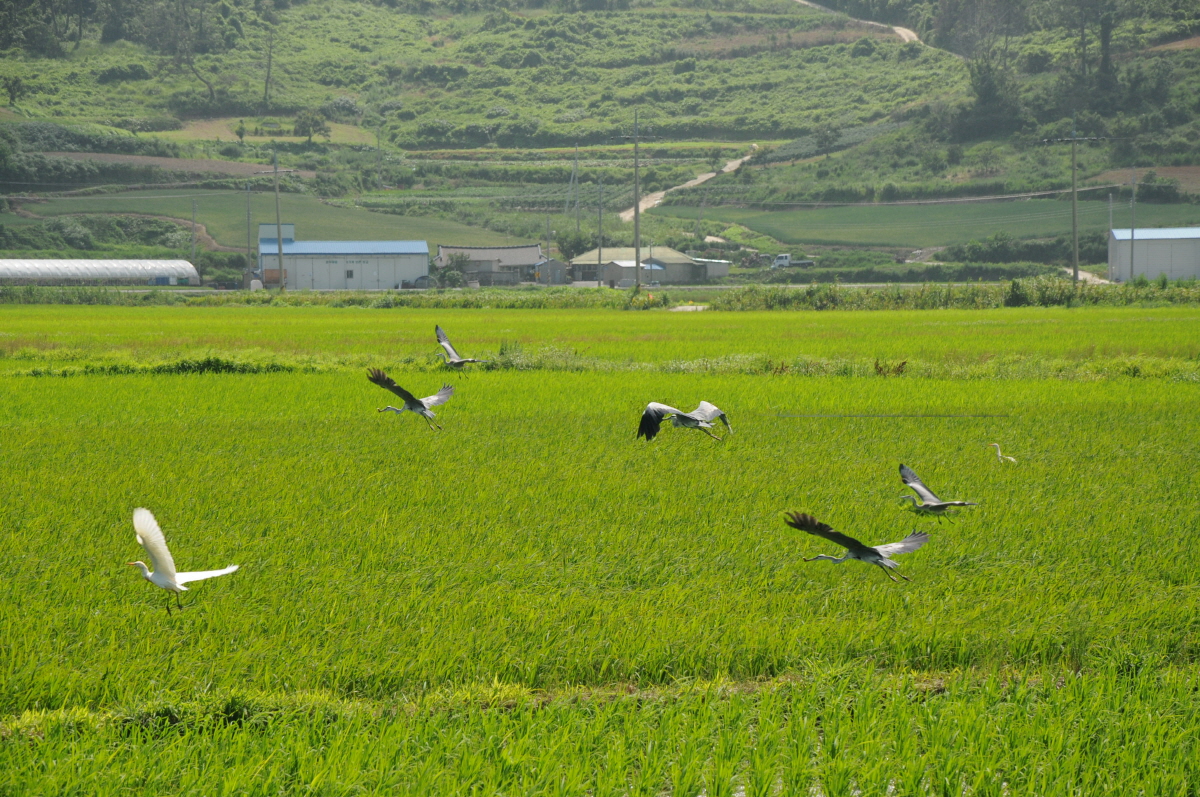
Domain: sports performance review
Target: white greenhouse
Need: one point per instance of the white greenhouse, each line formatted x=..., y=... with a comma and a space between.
x=1174, y=251
x=94, y=272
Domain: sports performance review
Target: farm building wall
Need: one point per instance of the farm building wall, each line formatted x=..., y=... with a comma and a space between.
x=1160, y=252
x=353, y=272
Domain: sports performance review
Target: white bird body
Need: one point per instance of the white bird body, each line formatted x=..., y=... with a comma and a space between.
x=701, y=418
x=873, y=555
x=451, y=356
x=999, y=456
x=411, y=403
x=151, y=538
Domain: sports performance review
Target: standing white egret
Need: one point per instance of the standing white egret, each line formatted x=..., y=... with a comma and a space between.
x=930, y=503
x=1000, y=456
x=150, y=537
x=411, y=402
x=451, y=356
x=700, y=418
x=877, y=555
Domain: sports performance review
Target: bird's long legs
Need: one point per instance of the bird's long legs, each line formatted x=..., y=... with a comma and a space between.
x=888, y=573
x=713, y=436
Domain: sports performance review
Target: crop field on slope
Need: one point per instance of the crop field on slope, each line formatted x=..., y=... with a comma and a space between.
x=534, y=602
x=934, y=225
x=224, y=215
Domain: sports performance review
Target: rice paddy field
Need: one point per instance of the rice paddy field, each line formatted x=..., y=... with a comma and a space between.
x=533, y=602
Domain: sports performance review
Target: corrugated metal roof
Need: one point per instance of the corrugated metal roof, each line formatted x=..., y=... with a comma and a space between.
x=629, y=264
x=663, y=254
x=1158, y=233
x=97, y=269
x=518, y=255
x=269, y=246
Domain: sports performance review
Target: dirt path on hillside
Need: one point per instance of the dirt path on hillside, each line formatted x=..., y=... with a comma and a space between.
x=652, y=200
x=193, y=165
x=905, y=34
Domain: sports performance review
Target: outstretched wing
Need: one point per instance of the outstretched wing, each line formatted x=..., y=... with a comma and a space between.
x=150, y=537
x=914, y=481
x=709, y=413
x=652, y=419
x=907, y=545
x=810, y=524
x=441, y=397
x=387, y=383
x=200, y=575
x=445, y=343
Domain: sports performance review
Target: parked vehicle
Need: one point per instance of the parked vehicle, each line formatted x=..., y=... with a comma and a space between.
x=782, y=261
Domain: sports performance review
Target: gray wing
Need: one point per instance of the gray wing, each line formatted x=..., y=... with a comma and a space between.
x=387, y=383
x=709, y=413
x=652, y=419
x=811, y=525
x=200, y=575
x=150, y=537
x=441, y=397
x=907, y=545
x=445, y=343
x=914, y=481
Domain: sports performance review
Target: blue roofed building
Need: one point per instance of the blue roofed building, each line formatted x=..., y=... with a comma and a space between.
x=340, y=265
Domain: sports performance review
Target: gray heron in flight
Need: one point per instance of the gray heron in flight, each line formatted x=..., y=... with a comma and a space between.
x=701, y=418
x=411, y=402
x=930, y=503
x=872, y=555
x=150, y=537
x=451, y=356
x=999, y=456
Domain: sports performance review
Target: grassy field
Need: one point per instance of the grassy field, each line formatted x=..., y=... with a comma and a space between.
x=224, y=130
x=935, y=225
x=224, y=215
x=533, y=602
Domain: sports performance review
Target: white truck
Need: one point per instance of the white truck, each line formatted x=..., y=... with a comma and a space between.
x=782, y=261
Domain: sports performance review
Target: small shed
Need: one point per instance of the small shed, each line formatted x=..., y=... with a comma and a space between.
x=520, y=260
x=620, y=273
x=553, y=272
x=1173, y=251
x=98, y=272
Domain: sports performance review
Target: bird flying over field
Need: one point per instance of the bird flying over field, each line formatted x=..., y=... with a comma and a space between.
x=877, y=555
x=930, y=503
x=1000, y=456
x=150, y=537
x=451, y=356
x=411, y=402
x=700, y=418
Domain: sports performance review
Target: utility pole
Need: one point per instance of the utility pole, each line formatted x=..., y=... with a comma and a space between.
x=275, y=170
x=637, y=212
x=1132, y=220
x=575, y=176
x=1074, y=141
x=600, y=232
x=379, y=157
x=193, y=232
x=249, y=253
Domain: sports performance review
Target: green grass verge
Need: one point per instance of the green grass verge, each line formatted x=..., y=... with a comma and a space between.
x=934, y=225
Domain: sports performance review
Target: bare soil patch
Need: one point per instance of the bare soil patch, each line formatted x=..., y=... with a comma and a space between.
x=1188, y=176
x=176, y=164
x=1183, y=44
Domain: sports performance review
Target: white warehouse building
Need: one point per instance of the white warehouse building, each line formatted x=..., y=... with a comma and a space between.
x=340, y=265
x=1174, y=251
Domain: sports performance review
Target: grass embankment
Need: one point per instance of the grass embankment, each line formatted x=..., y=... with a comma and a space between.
x=441, y=612
x=933, y=224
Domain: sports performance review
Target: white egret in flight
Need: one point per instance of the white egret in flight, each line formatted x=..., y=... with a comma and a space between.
x=411, y=402
x=451, y=356
x=150, y=536
x=930, y=503
x=876, y=555
x=1000, y=456
x=700, y=418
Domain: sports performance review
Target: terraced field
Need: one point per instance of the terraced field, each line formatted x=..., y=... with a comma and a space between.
x=534, y=602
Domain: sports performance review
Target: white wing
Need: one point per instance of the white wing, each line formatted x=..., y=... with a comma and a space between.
x=914, y=481
x=200, y=575
x=910, y=543
x=445, y=343
x=442, y=397
x=150, y=537
x=709, y=413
